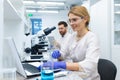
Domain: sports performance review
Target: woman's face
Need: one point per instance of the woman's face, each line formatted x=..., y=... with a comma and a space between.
x=77, y=23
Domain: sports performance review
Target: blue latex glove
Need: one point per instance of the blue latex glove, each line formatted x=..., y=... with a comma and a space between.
x=56, y=65
x=56, y=54
x=60, y=64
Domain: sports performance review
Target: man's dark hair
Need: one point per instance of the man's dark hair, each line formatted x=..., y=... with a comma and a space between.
x=63, y=23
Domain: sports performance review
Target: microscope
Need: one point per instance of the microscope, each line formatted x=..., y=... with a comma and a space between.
x=40, y=46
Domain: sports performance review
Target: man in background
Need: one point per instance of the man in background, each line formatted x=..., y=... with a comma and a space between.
x=63, y=30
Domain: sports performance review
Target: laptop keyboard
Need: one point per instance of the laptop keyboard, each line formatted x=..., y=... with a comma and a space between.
x=30, y=68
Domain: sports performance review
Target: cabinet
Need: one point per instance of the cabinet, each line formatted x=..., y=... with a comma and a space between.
x=13, y=21
x=115, y=32
x=13, y=26
x=116, y=22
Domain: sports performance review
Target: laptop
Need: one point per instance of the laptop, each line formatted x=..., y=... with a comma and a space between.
x=26, y=69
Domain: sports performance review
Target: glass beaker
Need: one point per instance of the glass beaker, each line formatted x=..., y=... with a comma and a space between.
x=47, y=71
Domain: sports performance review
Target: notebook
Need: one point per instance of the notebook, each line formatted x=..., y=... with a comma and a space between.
x=26, y=69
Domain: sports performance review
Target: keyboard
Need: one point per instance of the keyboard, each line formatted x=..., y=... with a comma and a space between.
x=30, y=68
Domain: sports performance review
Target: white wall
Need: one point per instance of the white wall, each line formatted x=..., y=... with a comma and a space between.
x=100, y=24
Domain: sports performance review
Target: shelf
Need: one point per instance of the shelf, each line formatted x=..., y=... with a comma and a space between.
x=117, y=30
x=117, y=5
x=116, y=25
x=10, y=12
x=118, y=12
x=116, y=1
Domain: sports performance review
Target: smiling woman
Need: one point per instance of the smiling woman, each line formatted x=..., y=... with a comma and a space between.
x=80, y=55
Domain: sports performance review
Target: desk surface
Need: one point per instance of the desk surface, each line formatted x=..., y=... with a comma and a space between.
x=72, y=75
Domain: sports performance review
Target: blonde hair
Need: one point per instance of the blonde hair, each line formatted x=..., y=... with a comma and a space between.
x=80, y=11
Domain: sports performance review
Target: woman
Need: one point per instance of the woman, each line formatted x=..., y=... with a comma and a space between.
x=82, y=51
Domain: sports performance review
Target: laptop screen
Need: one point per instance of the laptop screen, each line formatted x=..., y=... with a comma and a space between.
x=13, y=50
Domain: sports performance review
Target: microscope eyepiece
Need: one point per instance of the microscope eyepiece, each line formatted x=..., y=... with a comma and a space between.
x=49, y=30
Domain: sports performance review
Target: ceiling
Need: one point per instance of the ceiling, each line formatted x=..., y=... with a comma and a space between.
x=37, y=6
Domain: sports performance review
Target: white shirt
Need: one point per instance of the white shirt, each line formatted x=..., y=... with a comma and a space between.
x=86, y=52
x=63, y=40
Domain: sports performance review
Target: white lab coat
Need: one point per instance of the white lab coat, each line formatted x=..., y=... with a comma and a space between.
x=62, y=41
x=86, y=52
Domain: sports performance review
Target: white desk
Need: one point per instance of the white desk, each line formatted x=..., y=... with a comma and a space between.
x=73, y=75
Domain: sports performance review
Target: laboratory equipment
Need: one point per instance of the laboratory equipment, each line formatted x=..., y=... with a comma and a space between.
x=47, y=71
x=39, y=47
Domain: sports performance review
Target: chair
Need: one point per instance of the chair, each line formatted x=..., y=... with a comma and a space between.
x=107, y=69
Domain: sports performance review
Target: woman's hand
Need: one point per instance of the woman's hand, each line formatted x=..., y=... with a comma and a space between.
x=56, y=65
x=56, y=54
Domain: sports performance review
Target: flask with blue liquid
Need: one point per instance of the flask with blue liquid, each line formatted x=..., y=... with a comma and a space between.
x=47, y=72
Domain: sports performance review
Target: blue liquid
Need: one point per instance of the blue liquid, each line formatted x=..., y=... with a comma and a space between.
x=47, y=75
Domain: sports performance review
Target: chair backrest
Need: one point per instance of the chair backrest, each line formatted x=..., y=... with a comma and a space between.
x=106, y=69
